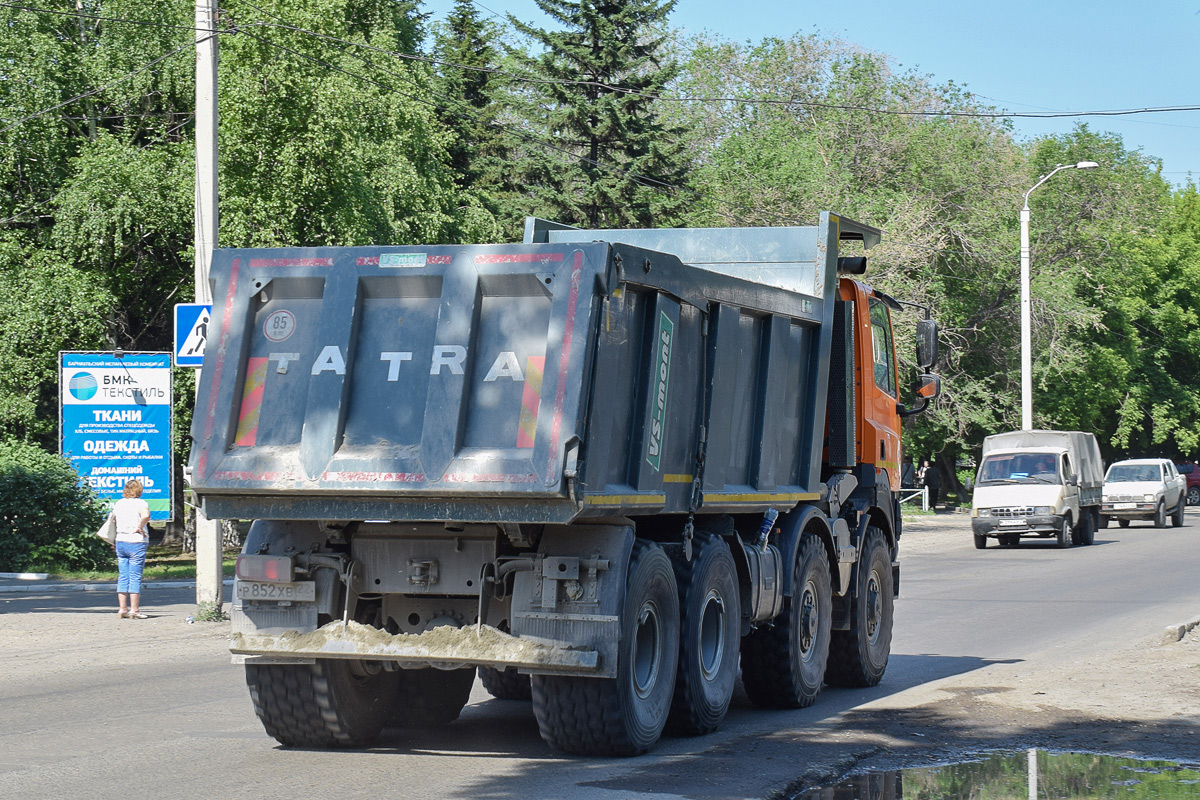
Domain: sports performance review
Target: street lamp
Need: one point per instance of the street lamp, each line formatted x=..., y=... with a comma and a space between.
x=1026, y=359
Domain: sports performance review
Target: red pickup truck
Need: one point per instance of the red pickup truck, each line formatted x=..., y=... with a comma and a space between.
x=1191, y=472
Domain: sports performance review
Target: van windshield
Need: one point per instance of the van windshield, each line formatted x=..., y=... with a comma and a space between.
x=1133, y=473
x=1019, y=468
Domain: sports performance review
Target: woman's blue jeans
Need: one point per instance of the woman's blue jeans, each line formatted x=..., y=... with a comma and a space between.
x=131, y=558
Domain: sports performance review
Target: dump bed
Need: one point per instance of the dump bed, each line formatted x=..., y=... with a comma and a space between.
x=538, y=382
x=1082, y=447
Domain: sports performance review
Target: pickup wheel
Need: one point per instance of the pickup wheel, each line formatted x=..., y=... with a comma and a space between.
x=429, y=698
x=1193, y=496
x=622, y=716
x=331, y=703
x=1177, y=514
x=980, y=541
x=783, y=665
x=1160, y=514
x=709, y=635
x=858, y=657
x=1124, y=523
x=505, y=684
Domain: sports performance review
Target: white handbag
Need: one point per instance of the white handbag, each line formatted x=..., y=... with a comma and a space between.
x=108, y=531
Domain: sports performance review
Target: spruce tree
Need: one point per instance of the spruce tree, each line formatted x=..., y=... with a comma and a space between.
x=464, y=83
x=619, y=164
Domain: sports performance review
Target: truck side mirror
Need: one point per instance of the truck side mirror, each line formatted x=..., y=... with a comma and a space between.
x=927, y=343
x=1072, y=479
x=927, y=387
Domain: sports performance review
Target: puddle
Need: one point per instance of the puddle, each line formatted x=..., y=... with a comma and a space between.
x=1029, y=775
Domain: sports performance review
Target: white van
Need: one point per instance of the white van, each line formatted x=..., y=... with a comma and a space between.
x=1038, y=483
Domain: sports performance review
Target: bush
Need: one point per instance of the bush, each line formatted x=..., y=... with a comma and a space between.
x=48, y=517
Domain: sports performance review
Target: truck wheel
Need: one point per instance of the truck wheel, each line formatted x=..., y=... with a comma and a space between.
x=980, y=541
x=505, y=684
x=332, y=703
x=1103, y=522
x=626, y=715
x=1177, y=514
x=429, y=698
x=783, y=665
x=1193, y=496
x=858, y=657
x=1093, y=523
x=1064, y=533
x=1160, y=515
x=709, y=635
x=1124, y=523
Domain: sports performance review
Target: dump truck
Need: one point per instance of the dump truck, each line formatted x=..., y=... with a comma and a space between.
x=599, y=467
x=1038, y=483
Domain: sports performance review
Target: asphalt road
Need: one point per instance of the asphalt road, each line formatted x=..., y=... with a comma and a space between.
x=94, y=707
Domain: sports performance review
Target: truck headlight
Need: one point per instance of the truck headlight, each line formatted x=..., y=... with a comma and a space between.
x=1041, y=511
x=1148, y=498
x=983, y=512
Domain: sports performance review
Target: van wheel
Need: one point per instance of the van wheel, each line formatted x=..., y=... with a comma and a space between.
x=858, y=657
x=783, y=665
x=331, y=703
x=1064, y=533
x=622, y=716
x=1177, y=515
x=1160, y=515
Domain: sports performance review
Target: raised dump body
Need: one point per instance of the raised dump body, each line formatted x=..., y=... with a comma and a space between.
x=590, y=442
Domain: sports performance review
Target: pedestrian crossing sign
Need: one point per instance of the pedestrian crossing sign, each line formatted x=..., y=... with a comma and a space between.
x=191, y=333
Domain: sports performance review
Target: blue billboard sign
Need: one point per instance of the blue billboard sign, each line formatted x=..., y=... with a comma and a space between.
x=115, y=424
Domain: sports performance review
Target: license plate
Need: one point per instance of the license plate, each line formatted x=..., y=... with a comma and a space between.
x=1123, y=506
x=1012, y=523
x=304, y=591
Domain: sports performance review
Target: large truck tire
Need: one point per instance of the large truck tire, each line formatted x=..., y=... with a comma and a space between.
x=709, y=636
x=428, y=698
x=859, y=657
x=783, y=665
x=331, y=703
x=622, y=716
x=505, y=684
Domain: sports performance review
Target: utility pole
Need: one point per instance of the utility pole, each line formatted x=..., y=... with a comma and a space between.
x=208, y=532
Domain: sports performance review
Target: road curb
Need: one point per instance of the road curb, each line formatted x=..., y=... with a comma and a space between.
x=1175, y=633
x=66, y=586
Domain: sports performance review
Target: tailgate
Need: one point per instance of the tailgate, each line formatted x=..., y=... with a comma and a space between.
x=358, y=383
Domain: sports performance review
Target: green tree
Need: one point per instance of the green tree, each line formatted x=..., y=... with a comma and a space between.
x=619, y=164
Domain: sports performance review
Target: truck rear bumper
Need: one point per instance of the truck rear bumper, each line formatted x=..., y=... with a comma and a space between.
x=444, y=646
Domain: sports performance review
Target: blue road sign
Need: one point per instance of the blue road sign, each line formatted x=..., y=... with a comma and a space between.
x=191, y=333
x=115, y=423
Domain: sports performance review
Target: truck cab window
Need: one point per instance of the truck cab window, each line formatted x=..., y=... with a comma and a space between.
x=881, y=345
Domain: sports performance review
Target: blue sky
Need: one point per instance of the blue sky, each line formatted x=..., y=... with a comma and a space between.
x=1054, y=55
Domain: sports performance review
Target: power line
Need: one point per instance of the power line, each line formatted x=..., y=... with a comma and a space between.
x=95, y=18
x=107, y=86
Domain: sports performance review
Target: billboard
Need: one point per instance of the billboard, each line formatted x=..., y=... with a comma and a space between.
x=115, y=423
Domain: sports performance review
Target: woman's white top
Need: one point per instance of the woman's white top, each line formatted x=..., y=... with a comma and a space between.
x=129, y=512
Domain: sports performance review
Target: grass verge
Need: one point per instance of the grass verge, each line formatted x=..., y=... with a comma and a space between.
x=162, y=563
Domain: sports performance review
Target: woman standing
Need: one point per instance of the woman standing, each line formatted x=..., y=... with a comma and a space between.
x=133, y=538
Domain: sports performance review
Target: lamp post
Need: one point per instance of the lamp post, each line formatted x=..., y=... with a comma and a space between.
x=1026, y=358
